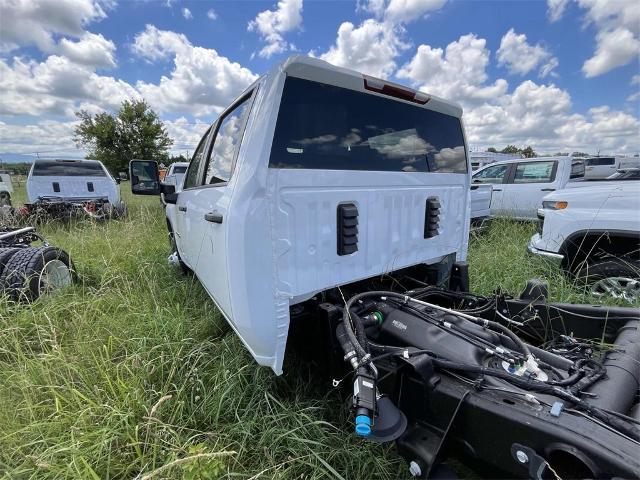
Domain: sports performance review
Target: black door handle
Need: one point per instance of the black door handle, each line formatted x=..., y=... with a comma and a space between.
x=182, y=208
x=497, y=189
x=213, y=217
x=547, y=189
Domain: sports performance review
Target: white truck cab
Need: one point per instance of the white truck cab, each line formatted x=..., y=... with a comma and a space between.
x=72, y=181
x=314, y=178
x=519, y=185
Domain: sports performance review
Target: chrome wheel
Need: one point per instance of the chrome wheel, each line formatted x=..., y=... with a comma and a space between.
x=54, y=275
x=618, y=287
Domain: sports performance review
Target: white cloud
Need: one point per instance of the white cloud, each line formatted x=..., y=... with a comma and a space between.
x=47, y=137
x=617, y=23
x=398, y=11
x=635, y=80
x=556, y=9
x=531, y=114
x=186, y=13
x=273, y=24
x=57, y=86
x=370, y=48
x=457, y=73
x=153, y=44
x=202, y=81
x=211, y=14
x=92, y=50
x=34, y=22
x=615, y=48
x=520, y=57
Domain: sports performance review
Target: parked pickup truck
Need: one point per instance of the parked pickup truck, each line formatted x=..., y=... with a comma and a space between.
x=520, y=184
x=175, y=176
x=63, y=188
x=327, y=212
x=598, y=168
x=594, y=233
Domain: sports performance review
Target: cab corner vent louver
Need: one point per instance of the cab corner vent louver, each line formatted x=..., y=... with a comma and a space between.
x=432, y=217
x=56, y=187
x=90, y=186
x=347, y=229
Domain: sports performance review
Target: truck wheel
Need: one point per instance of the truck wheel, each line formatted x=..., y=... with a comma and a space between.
x=5, y=199
x=32, y=272
x=615, y=277
x=5, y=256
x=174, y=251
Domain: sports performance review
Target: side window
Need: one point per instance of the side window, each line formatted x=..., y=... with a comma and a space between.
x=225, y=145
x=493, y=174
x=534, y=172
x=191, y=178
x=577, y=169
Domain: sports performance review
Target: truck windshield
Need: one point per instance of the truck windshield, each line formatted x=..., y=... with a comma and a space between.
x=68, y=169
x=331, y=128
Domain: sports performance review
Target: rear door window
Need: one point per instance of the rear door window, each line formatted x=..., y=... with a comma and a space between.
x=180, y=169
x=494, y=174
x=331, y=128
x=68, y=169
x=225, y=144
x=535, y=172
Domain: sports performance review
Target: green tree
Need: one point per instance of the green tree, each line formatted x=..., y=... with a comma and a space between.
x=492, y=150
x=135, y=131
x=528, y=152
x=510, y=149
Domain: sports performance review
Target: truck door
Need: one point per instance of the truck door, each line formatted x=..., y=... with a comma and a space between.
x=188, y=237
x=496, y=175
x=528, y=183
x=208, y=207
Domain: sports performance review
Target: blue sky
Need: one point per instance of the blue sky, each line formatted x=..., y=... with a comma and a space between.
x=557, y=74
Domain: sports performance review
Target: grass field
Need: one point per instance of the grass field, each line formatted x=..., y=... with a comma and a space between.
x=132, y=373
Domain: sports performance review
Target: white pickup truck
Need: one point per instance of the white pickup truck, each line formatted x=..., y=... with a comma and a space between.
x=64, y=187
x=520, y=184
x=329, y=211
x=594, y=233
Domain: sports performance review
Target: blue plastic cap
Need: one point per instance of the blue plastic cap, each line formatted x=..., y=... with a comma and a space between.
x=363, y=425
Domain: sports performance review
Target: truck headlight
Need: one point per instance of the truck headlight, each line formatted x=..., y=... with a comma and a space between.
x=551, y=205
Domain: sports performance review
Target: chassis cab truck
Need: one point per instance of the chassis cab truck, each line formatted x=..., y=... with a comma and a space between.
x=333, y=208
x=315, y=177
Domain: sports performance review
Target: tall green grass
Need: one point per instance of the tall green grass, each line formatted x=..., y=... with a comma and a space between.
x=132, y=373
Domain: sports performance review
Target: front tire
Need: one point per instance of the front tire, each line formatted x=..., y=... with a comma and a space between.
x=5, y=199
x=614, y=277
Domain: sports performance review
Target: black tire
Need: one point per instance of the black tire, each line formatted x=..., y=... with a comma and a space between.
x=619, y=277
x=5, y=256
x=24, y=276
x=174, y=249
x=5, y=199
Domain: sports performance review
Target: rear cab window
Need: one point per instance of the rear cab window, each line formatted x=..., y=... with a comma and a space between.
x=180, y=169
x=67, y=169
x=600, y=161
x=325, y=127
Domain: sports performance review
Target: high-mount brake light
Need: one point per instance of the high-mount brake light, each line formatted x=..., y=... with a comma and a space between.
x=376, y=85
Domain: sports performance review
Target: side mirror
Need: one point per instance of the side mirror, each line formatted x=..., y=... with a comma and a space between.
x=144, y=177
